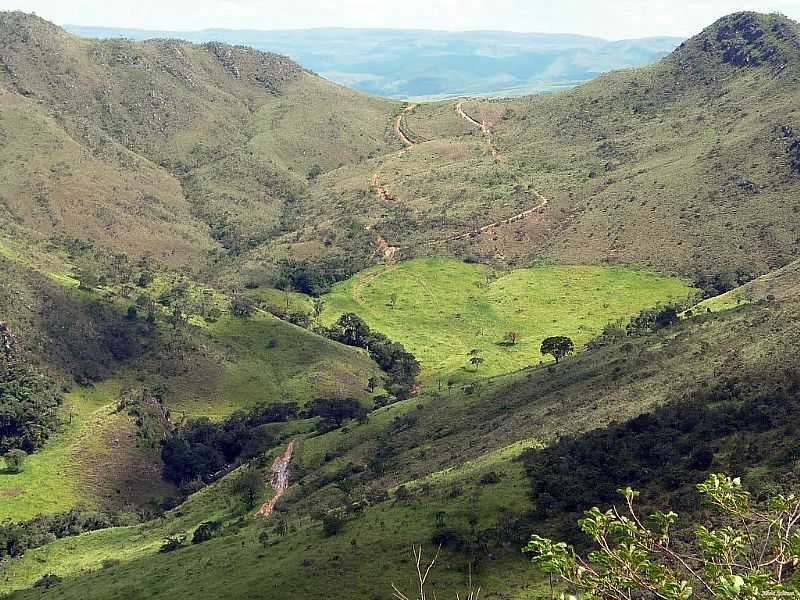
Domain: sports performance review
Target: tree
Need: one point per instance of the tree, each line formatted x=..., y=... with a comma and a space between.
x=205, y=531
x=372, y=383
x=15, y=460
x=511, y=338
x=749, y=553
x=475, y=358
x=558, y=347
x=249, y=486
x=332, y=523
x=319, y=306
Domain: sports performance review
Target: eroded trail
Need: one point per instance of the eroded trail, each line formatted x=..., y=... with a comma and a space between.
x=388, y=251
x=279, y=480
x=485, y=128
x=398, y=126
x=543, y=202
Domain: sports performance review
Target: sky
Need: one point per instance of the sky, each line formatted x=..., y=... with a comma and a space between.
x=611, y=19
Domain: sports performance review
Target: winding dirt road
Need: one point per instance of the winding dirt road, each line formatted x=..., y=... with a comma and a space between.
x=389, y=252
x=279, y=480
x=543, y=202
x=398, y=126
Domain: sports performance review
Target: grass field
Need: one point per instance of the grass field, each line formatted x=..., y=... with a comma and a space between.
x=445, y=308
x=51, y=479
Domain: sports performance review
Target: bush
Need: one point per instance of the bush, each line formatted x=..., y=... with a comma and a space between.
x=490, y=478
x=47, y=581
x=172, y=543
x=15, y=460
x=332, y=524
x=206, y=531
x=242, y=307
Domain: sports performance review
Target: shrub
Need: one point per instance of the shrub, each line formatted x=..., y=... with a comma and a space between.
x=15, y=460
x=242, y=307
x=47, y=581
x=490, y=478
x=205, y=531
x=332, y=524
x=172, y=543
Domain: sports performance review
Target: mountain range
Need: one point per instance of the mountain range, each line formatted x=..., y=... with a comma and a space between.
x=417, y=64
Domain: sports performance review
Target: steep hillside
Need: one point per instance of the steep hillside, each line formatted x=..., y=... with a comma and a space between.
x=105, y=344
x=166, y=148
x=688, y=166
x=236, y=161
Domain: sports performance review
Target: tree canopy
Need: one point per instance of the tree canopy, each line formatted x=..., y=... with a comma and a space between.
x=558, y=347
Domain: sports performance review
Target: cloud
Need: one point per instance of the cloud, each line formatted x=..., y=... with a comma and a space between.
x=604, y=18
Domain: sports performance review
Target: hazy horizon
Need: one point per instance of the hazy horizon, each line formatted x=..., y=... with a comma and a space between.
x=612, y=20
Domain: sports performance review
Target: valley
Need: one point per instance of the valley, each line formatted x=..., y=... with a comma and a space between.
x=261, y=334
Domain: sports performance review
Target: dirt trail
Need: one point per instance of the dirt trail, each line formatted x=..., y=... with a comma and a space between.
x=398, y=126
x=383, y=193
x=484, y=127
x=389, y=252
x=543, y=202
x=279, y=480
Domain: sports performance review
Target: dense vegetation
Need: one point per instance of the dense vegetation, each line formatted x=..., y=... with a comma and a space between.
x=29, y=400
x=399, y=364
x=201, y=448
x=18, y=538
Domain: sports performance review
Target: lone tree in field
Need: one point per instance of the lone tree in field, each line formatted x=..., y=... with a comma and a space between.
x=319, y=306
x=748, y=551
x=558, y=347
x=511, y=338
x=475, y=358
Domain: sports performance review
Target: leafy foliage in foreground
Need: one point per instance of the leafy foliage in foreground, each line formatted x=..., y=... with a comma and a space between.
x=749, y=553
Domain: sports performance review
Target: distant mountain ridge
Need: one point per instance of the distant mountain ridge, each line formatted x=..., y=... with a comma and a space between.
x=416, y=64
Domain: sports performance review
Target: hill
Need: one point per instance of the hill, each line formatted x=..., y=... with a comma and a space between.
x=193, y=143
x=412, y=65
x=454, y=456
x=685, y=167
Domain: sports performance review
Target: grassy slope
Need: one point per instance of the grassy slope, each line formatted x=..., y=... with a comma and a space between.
x=445, y=448
x=445, y=308
x=199, y=146
x=682, y=166
x=208, y=369
x=777, y=285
